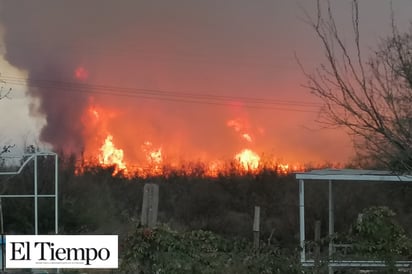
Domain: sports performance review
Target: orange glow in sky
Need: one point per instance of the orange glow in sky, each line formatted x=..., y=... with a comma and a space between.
x=81, y=73
x=177, y=82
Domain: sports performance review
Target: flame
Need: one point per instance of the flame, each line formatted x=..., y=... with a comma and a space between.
x=112, y=156
x=283, y=168
x=248, y=159
x=247, y=137
x=240, y=126
x=95, y=113
x=149, y=158
x=154, y=158
x=214, y=168
x=236, y=124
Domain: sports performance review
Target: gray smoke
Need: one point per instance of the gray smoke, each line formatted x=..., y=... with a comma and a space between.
x=50, y=39
x=235, y=48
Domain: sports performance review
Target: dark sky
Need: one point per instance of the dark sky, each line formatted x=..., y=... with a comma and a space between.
x=177, y=52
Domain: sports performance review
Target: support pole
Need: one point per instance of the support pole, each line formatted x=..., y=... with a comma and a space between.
x=317, y=245
x=56, y=194
x=302, y=219
x=1, y=217
x=36, y=217
x=3, y=265
x=331, y=224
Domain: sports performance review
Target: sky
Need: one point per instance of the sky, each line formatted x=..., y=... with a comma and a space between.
x=189, y=77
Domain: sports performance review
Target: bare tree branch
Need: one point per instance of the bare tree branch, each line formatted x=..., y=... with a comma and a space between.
x=4, y=94
x=370, y=97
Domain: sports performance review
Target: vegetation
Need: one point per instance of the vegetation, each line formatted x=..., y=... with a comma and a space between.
x=378, y=236
x=163, y=250
x=370, y=96
x=207, y=222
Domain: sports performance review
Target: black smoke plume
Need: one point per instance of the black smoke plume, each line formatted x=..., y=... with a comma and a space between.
x=50, y=39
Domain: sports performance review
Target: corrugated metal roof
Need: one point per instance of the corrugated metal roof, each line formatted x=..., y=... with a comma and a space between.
x=354, y=175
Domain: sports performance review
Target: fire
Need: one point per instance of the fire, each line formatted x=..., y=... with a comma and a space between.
x=146, y=158
x=153, y=156
x=95, y=113
x=242, y=127
x=214, y=167
x=236, y=124
x=248, y=159
x=110, y=155
x=247, y=137
x=283, y=168
x=156, y=156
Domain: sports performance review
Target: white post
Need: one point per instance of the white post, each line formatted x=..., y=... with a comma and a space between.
x=331, y=224
x=317, y=245
x=302, y=219
x=56, y=194
x=36, y=221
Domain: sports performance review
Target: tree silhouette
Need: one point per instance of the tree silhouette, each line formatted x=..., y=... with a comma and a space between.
x=4, y=92
x=369, y=96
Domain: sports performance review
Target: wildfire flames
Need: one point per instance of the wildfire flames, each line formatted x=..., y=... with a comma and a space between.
x=111, y=156
x=152, y=158
x=248, y=159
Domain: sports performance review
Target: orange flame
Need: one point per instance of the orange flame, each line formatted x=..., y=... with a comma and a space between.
x=247, y=137
x=283, y=168
x=248, y=159
x=153, y=159
x=236, y=124
x=240, y=126
x=110, y=155
x=153, y=156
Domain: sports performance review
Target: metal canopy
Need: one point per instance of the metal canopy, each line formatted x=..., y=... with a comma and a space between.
x=330, y=175
x=34, y=157
x=354, y=175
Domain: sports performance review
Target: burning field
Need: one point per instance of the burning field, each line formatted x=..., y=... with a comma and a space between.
x=141, y=87
x=147, y=154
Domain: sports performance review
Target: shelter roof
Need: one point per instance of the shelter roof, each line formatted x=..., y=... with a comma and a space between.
x=354, y=175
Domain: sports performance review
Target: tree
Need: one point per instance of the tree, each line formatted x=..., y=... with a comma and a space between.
x=4, y=94
x=370, y=97
x=376, y=234
x=5, y=148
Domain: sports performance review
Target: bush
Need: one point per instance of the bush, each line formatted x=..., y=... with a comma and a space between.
x=377, y=235
x=162, y=250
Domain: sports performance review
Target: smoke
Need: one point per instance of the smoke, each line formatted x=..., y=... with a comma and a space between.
x=123, y=44
x=50, y=40
x=76, y=52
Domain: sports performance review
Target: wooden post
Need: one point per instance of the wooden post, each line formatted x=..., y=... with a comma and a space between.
x=317, y=246
x=150, y=205
x=256, y=227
